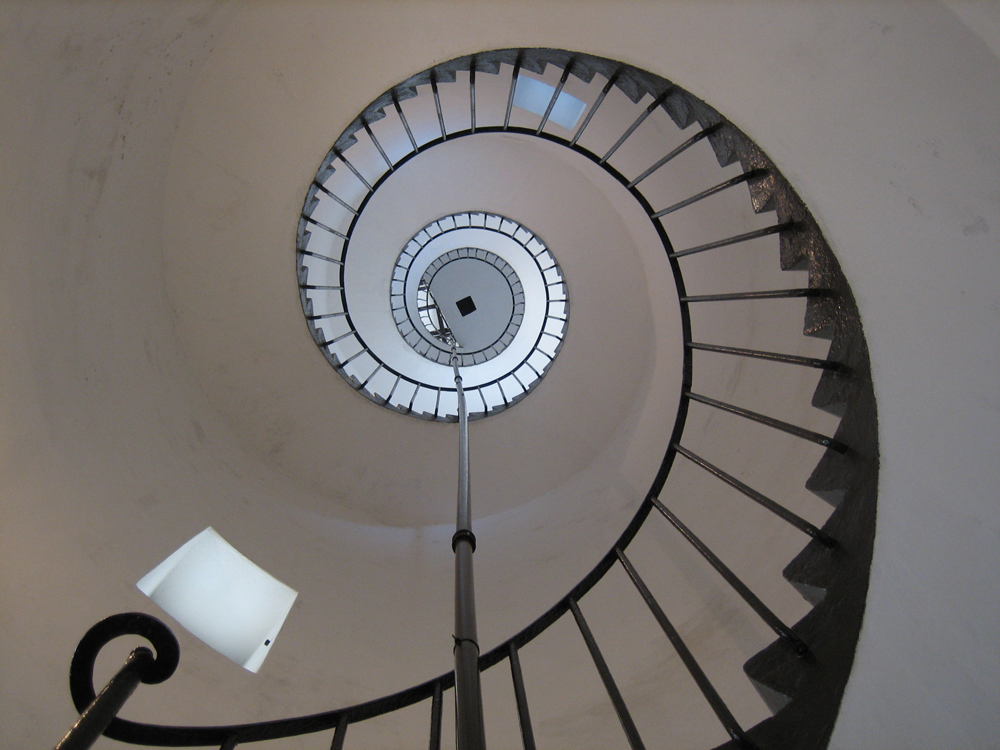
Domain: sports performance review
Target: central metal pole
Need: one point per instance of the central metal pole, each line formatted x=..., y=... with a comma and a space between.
x=468, y=694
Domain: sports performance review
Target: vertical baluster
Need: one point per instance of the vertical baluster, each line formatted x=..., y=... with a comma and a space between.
x=527, y=735
x=800, y=432
x=435, y=743
x=728, y=721
x=639, y=120
x=792, y=359
x=374, y=373
x=339, y=734
x=634, y=741
x=437, y=104
x=752, y=174
x=356, y=172
x=472, y=94
x=766, y=502
x=513, y=86
x=378, y=145
x=680, y=149
x=338, y=200
x=736, y=239
x=593, y=107
x=739, y=587
x=402, y=119
x=555, y=97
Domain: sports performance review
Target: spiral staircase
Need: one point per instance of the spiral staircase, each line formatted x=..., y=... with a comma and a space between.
x=747, y=263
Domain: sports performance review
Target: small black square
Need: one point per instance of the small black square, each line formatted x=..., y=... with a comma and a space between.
x=466, y=306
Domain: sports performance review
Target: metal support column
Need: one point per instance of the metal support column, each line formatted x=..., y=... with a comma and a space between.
x=468, y=694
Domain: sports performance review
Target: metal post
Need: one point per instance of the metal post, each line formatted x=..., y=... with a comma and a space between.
x=527, y=735
x=468, y=694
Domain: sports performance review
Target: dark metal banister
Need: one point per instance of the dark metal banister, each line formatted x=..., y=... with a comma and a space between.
x=180, y=736
x=198, y=736
x=81, y=684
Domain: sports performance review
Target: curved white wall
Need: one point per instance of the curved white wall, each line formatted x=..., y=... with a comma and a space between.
x=882, y=116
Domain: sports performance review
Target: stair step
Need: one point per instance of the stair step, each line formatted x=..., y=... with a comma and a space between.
x=829, y=480
x=795, y=248
x=774, y=700
x=836, y=387
x=725, y=144
x=832, y=392
x=812, y=571
x=820, y=318
x=678, y=107
x=762, y=190
x=777, y=673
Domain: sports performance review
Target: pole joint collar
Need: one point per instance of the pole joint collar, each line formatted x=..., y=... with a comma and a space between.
x=463, y=535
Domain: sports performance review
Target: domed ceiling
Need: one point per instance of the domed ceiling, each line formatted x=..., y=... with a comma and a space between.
x=167, y=380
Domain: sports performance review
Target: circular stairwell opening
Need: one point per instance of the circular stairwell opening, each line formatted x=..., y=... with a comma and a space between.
x=452, y=285
x=480, y=280
x=615, y=120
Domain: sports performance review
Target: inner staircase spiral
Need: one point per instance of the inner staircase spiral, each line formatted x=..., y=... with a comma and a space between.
x=756, y=254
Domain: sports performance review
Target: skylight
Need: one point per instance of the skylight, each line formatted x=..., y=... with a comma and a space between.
x=534, y=96
x=221, y=597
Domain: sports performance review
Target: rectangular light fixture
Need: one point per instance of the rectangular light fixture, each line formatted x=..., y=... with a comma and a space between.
x=221, y=597
x=534, y=96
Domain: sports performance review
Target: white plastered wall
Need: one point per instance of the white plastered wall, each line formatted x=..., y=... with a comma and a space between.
x=881, y=115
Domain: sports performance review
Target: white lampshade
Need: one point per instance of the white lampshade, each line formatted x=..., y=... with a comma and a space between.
x=221, y=597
